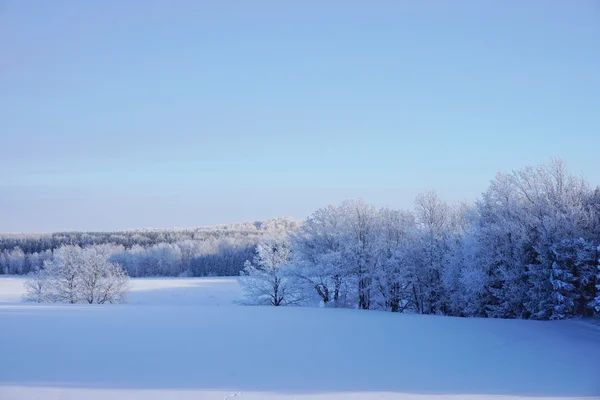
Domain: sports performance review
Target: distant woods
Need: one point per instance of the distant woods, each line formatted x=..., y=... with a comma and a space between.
x=211, y=251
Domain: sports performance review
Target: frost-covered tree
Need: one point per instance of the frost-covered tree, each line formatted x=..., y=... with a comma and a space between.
x=595, y=303
x=100, y=280
x=554, y=202
x=573, y=269
x=435, y=221
x=317, y=256
x=501, y=239
x=65, y=271
x=37, y=286
x=335, y=254
x=14, y=261
x=359, y=251
x=464, y=278
x=391, y=274
x=526, y=250
x=265, y=280
x=78, y=275
x=531, y=227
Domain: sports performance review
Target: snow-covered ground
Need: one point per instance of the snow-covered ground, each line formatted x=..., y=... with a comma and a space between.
x=186, y=339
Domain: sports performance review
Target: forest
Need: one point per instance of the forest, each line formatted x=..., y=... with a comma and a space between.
x=528, y=248
x=205, y=251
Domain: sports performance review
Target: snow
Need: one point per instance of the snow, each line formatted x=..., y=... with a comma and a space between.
x=185, y=338
x=185, y=291
x=11, y=289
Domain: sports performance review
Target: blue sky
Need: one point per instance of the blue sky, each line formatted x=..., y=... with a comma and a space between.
x=126, y=114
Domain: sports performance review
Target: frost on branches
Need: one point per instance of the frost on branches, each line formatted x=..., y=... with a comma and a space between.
x=265, y=280
x=596, y=302
x=78, y=275
x=205, y=251
x=528, y=248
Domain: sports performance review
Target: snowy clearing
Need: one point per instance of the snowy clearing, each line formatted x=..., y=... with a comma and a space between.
x=154, y=291
x=184, y=338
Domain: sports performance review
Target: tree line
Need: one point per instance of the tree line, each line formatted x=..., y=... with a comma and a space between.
x=527, y=248
x=207, y=251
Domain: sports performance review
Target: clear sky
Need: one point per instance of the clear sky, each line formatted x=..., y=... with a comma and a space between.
x=130, y=114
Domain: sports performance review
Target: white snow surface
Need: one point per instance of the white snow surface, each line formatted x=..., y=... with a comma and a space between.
x=185, y=338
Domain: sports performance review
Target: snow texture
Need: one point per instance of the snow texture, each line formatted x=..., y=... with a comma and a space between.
x=186, y=339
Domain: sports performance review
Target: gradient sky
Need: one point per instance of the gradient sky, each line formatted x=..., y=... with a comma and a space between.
x=130, y=114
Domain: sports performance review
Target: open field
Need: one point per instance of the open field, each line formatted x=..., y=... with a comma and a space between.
x=186, y=339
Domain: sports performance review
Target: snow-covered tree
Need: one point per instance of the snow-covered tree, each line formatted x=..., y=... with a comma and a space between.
x=464, y=279
x=14, y=261
x=100, y=280
x=573, y=264
x=265, y=280
x=317, y=256
x=391, y=276
x=359, y=251
x=555, y=204
x=65, y=271
x=78, y=275
x=595, y=303
x=435, y=221
x=37, y=286
x=501, y=238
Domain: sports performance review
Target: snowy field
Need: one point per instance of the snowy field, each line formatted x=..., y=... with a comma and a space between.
x=186, y=339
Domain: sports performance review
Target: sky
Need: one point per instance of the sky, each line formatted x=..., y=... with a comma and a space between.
x=133, y=114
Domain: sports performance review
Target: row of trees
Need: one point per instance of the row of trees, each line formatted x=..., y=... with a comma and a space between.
x=528, y=248
x=219, y=250
x=31, y=243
